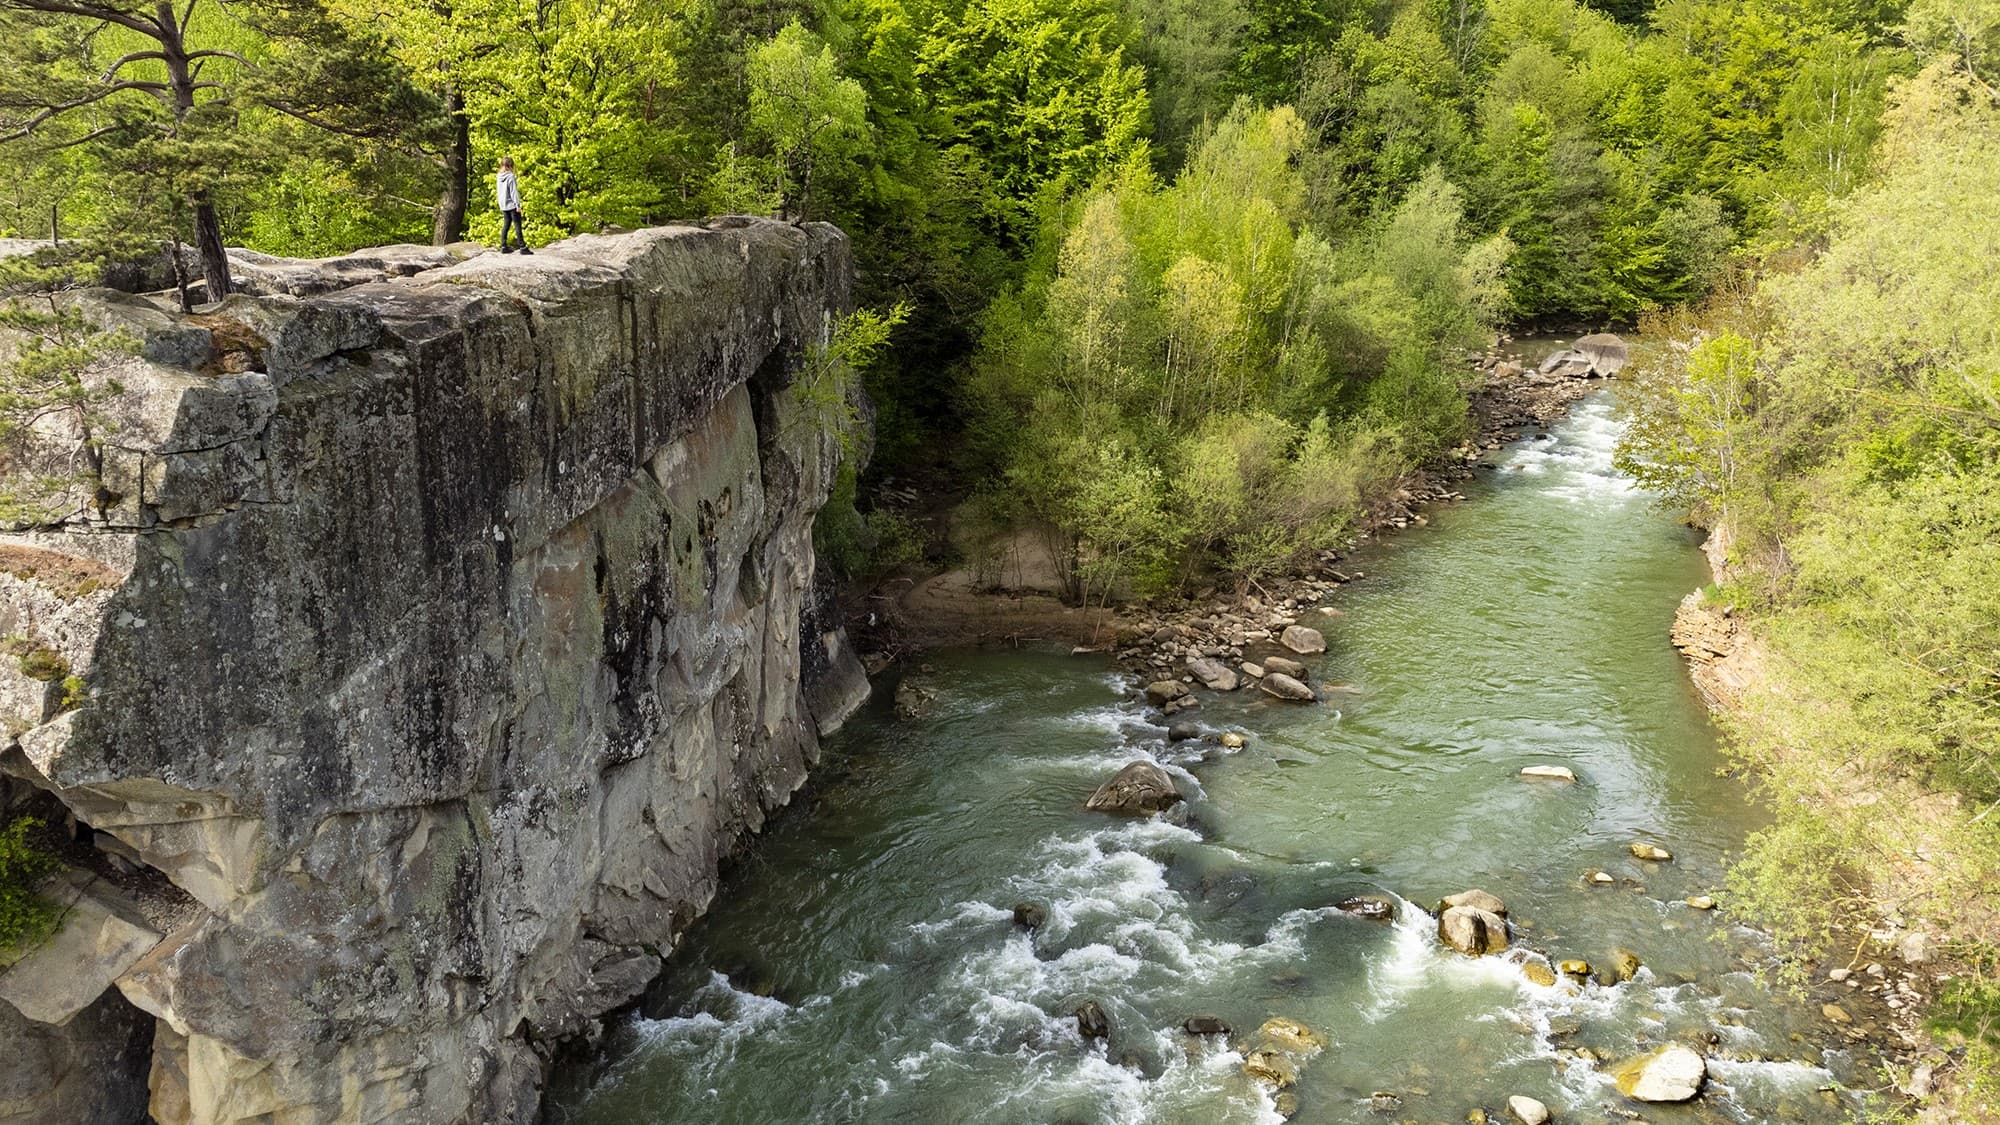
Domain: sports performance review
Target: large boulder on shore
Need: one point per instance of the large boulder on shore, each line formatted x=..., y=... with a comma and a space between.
x=1280, y=686
x=1304, y=641
x=1672, y=1073
x=1606, y=352
x=1472, y=931
x=1213, y=674
x=1141, y=788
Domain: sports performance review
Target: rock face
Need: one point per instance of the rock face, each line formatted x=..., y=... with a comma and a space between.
x=1142, y=787
x=1670, y=1074
x=444, y=634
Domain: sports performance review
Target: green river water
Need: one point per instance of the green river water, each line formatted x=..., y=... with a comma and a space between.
x=861, y=963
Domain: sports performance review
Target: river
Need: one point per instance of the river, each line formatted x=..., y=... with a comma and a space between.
x=861, y=963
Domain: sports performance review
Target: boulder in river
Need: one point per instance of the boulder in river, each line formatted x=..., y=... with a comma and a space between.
x=1278, y=1068
x=1527, y=1110
x=1652, y=852
x=1213, y=674
x=1141, y=787
x=1205, y=1025
x=1575, y=968
x=1625, y=964
x=1538, y=972
x=1091, y=1022
x=1372, y=907
x=1281, y=686
x=1472, y=931
x=1183, y=732
x=1672, y=1073
x=1549, y=773
x=1159, y=693
x=1302, y=640
x=1477, y=899
x=1030, y=915
x=1279, y=1033
x=913, y=699
x=1606, y=353
x=1232, y=740
x=1284, y=666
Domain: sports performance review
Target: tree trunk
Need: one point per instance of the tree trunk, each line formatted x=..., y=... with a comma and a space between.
x=208, y=240
x=448, y=219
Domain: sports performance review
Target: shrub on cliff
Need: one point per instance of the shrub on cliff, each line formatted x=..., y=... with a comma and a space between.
x=25, y=917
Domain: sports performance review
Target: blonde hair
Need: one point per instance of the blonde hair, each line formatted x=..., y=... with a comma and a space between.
x=507, y=162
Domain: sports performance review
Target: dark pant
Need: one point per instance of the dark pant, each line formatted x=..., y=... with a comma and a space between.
x=511, y=220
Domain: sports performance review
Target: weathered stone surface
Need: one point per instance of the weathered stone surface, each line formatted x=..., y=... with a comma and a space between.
x=1281, y=686
x=1669, y=1074
x=1141, y=787
x=1472, y=931
x=1213, y=674
x=1304, y=641
x=442, y=651
x=1479, y=900
x=1091, y=1022
x=81, y=1073
x=1625, y=964
x=98, y=940
x=1606, y=353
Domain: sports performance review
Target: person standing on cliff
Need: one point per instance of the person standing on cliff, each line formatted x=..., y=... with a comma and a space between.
x=507, y=187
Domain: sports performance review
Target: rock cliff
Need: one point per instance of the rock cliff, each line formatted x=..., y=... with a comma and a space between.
x=431, y=640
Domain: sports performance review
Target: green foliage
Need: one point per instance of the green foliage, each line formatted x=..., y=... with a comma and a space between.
x=1843, y=424
x=25, y=917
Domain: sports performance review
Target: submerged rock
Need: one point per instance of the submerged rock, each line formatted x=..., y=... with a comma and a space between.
x=1371, y=907
x=1473, y=931
x=1091, y=1022
x=1303, y=640
x=1142, y=787
x=1281, y=686
x=1670, y=1074
x=1205, y=1025
x=1549, y=773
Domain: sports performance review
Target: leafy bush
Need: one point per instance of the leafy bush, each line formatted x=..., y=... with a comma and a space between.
x=25, y=917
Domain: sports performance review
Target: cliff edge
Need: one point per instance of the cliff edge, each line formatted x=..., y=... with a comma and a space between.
x=431, y=640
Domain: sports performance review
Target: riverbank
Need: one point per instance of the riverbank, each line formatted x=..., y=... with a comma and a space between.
x=1513, y=397
x=1883, y=990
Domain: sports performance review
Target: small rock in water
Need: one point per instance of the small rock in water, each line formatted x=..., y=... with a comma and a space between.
x=1091, y=1022
x=1382, y=1101
x=1291, y=1035
x=1286, y=1103
x=1183, y=732
x=1477, y=899
x=1473, y=931
x=1670, y=1074
x=1205, y=1025
x=1549, y=773
x=1835, y=1013
x=1702, y=902
x=1284, y=667
x=1281, y=686
x=1275, y=1067
x=1527, y=1110
x=1303, y=640
x=1254, y=671
x=1030, y=915
x=1368, y=906
x=1625, y=964
x=1601, y=878
x=1574, y=968
x=1159, y=693
x=1141, y=787
x=1652, y=852
x=1539, y=973
x=1231, y=740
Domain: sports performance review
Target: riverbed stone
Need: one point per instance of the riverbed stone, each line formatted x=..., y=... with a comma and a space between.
x=1374, y=908
x=1231, y=740
x=1183, y=732
x=1141, y=788
x=1277, y=1068
x=1701, y=902
x=1652, y=853
x=1574, y=968
x=1030, y=915
x=1284, y=667
x=1159, y=693
x=1253, y=670
x=1472, y=931
x=1625, y=964
x=1213, y=674
x=1303, y=640
x=1280, y=1033
x=1205, y=1025
x=1600, y=878
x=1538, y=972
x=1281, y=686
x=1672, y=1073
x=1527, y=1110
x=1549, y=773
